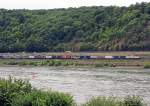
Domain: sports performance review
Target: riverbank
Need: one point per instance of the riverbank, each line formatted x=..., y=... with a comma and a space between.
x=17, y=92
x=68, y=62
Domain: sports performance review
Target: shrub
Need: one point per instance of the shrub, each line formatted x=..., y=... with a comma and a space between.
x=12, y=87
x=110, y=101
x=99, y=65
x=23, y=63
x=147, y=65
x=133, y=101
x=103, y=101
x=59, y=99
x=57, y=63
x=39, y=98
x=15, y=92
x=11, y=63
x=35, y=98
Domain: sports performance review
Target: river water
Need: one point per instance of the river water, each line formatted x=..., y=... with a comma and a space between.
x=83, y=83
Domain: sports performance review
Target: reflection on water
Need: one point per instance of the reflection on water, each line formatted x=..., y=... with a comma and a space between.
x=83, y=83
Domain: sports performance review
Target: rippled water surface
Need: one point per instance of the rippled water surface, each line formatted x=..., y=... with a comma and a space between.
x=83, y=83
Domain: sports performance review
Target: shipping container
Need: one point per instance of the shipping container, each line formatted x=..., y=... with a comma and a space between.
x=39, y=56
x=84, y=57
x=116, y=57
x=31, y=57
x=101, y=57
x=75, y=57
x=1, y=57
x=66, y=57
x=54, y=57
x=122, y=57
x=132, y=57
x=48, y=57
x=94, y=57
x=108, y=57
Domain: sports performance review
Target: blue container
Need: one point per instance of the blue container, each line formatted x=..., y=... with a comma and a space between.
x=116, y=57
x=54, y=57
x=81, y=57
x=87, y=57
x=84, y=57
x=122, y=57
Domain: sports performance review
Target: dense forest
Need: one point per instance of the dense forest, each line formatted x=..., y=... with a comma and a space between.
x=77, y=29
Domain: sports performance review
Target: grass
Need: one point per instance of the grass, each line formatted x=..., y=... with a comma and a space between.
x=147, y=65
x=43, y=98
x=112, y=101
x=11, y=88
x=16, y=92
x=103, y=101
x=69, y=62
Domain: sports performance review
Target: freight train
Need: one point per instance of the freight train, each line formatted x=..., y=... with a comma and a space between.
x=63, y=56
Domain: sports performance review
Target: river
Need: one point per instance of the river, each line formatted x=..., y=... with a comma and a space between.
x=85, y=82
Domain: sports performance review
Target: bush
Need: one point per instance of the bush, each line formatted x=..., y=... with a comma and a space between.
x=99, y=65
x=35, y=98
x=147, y=65
x=12, y=87
x=11, y=63
x=103, y=101
x=39, y=98
x=15, y=92
x=133, y=101
x=59, y=99
x=111, y=101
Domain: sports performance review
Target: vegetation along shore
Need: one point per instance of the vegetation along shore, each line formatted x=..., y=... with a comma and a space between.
x=16, y=92
x=94, y=59
x=91, y=63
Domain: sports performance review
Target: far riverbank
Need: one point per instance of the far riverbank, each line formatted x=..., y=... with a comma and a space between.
x=82, y=63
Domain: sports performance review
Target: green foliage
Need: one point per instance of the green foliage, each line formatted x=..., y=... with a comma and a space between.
x=11, y=88
x=41, y=98
x=15, y=92
x=111, y=101
x=76, y=29
x=147, y=65
x=103, y=101
x=133, y=101
x=59, y=99
x=41, y=63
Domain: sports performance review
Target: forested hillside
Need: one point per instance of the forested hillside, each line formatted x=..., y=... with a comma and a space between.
x=76, y=29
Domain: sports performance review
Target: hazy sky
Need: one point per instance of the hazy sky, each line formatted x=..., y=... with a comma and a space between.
x=49, y=4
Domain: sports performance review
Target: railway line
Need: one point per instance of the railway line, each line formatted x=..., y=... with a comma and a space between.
x=63, y=56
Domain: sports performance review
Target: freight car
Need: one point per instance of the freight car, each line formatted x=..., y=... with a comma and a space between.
x=132, y=57
x=63, y=56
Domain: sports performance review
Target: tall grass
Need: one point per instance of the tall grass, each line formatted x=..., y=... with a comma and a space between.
x=41, y=63
x=16, y=92
x=12, y=87
x=103, y=101
x=147, y=65
x=133, y=101
x=41, y=98
x=111, y=101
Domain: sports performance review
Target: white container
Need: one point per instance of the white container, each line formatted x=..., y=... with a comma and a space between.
x=75, y=57
x=48, y=57
x=94, y=57
x=31, y=57
x=108, y=57
x=132, y=57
